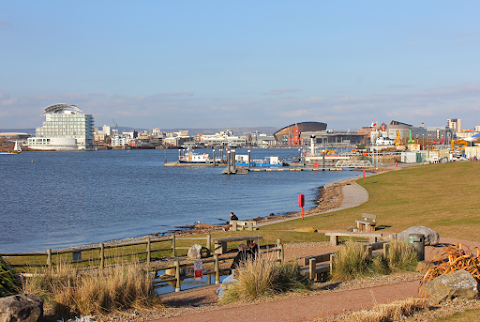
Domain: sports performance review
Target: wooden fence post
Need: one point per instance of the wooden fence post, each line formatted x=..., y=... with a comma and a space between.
x=49, y=257
x=177, y=276
x=217, y=270
x=332, y=257
x=173, y=246
x=102, y=256
x=209, y=244
x=148, y=250
x=368, y=248
x=279, y=250
x=385, y=250
x=313, y=268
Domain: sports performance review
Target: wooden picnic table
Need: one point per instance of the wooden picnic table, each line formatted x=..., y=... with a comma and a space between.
x=221, y=243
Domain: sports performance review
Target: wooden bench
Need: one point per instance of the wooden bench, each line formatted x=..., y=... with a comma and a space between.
x=243, y=225
x=372, y=237
x=221, y=243
x=367, y=223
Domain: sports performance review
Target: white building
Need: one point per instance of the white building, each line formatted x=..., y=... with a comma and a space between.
x=107, y=130
x=455, y=125
x=65, y=128
x=119, y=140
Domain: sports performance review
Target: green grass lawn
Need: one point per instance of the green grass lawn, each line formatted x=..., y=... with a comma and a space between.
x=440, y=196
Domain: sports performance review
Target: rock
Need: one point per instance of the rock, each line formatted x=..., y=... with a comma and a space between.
x=195, y=252
x=431, y=236
x=21, y=308
x=459, y=284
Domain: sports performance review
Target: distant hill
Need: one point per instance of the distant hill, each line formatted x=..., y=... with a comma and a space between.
x=29, y=131
x=237, y=130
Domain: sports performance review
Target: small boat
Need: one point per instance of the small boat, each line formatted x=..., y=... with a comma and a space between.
x=191, y=157
x=16, y=149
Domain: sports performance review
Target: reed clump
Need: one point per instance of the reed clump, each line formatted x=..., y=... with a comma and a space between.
x=351, y=261
x=9, y=283
x=263, y=278
x=354, y=261
x=67, y=290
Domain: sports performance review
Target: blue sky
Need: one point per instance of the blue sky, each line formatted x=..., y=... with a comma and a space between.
x=218, y=64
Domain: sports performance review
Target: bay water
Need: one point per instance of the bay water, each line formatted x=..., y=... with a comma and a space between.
x=62, y=199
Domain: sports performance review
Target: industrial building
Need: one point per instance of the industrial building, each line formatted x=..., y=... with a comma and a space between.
x=65, y=128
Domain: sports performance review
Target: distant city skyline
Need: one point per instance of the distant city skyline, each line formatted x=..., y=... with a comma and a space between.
x=221, y=64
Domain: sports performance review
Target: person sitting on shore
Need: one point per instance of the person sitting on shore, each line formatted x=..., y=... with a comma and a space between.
x=233, y=217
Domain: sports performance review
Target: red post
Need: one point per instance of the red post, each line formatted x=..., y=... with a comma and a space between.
x=396, y=164
x=301, y=202
x=364, y=180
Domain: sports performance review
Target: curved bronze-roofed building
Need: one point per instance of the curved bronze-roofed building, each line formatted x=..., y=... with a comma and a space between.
x=302, y=127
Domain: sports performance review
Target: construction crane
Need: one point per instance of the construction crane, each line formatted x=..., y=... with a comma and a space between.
x=465, y=144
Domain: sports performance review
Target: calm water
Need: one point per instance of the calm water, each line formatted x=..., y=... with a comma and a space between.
x=61, y=199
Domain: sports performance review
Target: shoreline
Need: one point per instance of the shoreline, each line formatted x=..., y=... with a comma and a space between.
x=331, y=191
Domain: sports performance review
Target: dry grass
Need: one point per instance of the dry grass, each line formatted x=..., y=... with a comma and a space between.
x=353, y=261
x=263, y=278
x=401, y=257
x=67, y=290
x=395, y=311
x=389, y=312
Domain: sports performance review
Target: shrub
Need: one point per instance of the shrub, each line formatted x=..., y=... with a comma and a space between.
x=401, y=256
x=66, y=289
x=263, y=278
x=454, y=257
x=350, y=262
x=9, y=283
x=353, y=260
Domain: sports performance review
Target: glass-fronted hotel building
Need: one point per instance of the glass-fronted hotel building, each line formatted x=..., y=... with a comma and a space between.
x=65, y=128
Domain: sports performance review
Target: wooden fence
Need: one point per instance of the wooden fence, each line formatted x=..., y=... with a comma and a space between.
x=101, y=258
x=217, y=261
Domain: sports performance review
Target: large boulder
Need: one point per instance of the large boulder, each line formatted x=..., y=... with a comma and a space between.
x=431, y=236
x=21, y=308
x=459, y=284
x=195, y=252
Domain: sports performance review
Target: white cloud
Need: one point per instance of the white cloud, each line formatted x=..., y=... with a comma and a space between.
x=431, y=106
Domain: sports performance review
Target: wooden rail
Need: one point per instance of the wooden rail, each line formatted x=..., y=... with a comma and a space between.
x=178, y=277
x=77, y=253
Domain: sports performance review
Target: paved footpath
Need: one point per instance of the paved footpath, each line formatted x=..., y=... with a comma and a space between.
x=307, y=308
